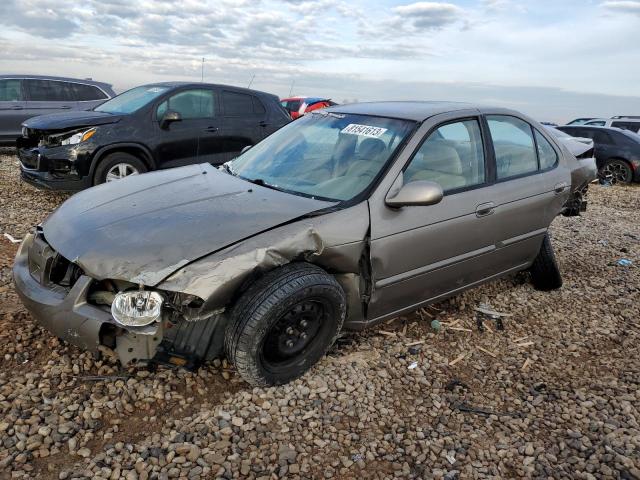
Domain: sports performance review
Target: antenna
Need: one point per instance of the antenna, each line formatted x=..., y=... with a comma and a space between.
x=202, y=71
x=292, y=84
x=252, y=77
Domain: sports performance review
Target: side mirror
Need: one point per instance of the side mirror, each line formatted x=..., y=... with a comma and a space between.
x=248, y=147
x=416, y=193
x=169, y=117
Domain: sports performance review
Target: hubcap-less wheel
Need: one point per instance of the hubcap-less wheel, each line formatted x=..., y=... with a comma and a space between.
x=293, y=332
x=121, y=170
x=616, y=172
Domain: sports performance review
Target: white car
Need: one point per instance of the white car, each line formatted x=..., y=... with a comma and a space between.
x=624, y=123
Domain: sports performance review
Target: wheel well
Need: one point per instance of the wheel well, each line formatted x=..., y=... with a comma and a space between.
x=134, y=150
x=611, y=159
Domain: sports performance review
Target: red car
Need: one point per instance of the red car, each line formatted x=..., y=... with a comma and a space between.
x=297, y=106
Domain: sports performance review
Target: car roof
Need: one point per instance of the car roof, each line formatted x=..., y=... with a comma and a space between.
x=61, y=79
x=406, y=110
x=200, y=84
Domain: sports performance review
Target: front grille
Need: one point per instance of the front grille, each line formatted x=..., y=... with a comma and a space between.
x=50, y=268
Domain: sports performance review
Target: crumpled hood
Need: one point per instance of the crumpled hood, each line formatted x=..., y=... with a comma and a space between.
x=72, y=119
x=145, y=227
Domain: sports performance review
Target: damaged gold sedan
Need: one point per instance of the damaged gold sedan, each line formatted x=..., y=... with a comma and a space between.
x=341, y=219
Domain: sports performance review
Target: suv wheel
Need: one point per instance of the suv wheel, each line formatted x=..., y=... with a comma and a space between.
x=116, y=166
x=284, y=323
x=616, y=171
x=545, y=273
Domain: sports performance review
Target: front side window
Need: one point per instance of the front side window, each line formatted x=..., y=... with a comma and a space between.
x=48, y=91
x=10, y=90
x=190, y=104
x=452, y=156
x=131, y=100
x=326, y=156
x=513, y=145
x=546, y=153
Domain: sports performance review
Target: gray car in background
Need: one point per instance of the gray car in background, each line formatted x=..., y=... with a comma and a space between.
x=26, y=96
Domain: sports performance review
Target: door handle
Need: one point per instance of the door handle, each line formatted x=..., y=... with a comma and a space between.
x=263, y=124
x=17, y=107
x=65, y=107
x=560, y=187
x=211, y=129
x=485, y=209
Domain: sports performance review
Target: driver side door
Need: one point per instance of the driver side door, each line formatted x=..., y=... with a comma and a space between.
x=177, y=142
x=420, y=253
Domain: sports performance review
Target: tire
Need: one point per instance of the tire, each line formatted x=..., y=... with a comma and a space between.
x=132, y=164
x=616, y=171
x=545, y=273
x=279, y=308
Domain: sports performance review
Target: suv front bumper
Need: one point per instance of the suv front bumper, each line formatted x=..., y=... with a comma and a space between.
x=52, y=168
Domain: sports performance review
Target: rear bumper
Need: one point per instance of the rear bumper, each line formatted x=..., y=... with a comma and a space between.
x=65, y=314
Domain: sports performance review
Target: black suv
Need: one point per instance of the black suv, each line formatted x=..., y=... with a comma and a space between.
x=146, y=128
x=617, y=151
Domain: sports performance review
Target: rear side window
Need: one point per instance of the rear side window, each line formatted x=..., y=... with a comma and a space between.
x=10, y=90
x=633, y=126
x=258, y=107
x=190, y=104
x=87, y=93
x=49, y=91
x=513, y=145
x=547, y=155
x=237, y=104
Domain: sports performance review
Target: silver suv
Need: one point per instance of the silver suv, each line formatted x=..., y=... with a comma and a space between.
x=26, y=96
x=342, y=219
x=624, y=123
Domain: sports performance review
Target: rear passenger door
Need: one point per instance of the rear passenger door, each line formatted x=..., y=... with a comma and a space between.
x=531, y=186
x=12, y=112
x=48, y=96
x=243, y=122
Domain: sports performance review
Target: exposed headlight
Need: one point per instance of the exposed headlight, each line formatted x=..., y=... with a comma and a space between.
x=78, y=137
x=137, y=308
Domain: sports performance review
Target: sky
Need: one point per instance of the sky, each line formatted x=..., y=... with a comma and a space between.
x=552, y=59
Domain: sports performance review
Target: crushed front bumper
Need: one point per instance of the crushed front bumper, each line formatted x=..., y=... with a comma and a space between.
x=65, y=314
x=52, y=168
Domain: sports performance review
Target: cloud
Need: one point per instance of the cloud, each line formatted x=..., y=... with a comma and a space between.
x=624, y=6
x=422, y=16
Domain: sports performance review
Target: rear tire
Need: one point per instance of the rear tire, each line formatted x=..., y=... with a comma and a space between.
x=545, y=273
x=616, y=171
x=284, y=323
x=118, y=164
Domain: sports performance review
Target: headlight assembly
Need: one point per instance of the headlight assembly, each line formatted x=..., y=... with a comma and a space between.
x=78, y=137
x=137, y=308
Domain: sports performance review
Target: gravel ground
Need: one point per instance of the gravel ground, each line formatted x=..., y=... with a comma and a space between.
x=551, y=391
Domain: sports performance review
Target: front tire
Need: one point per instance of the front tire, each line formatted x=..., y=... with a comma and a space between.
x=116, y=166
x=545, y=273
x=284, y=323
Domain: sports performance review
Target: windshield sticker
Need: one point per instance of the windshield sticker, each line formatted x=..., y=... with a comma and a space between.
x=363, y=130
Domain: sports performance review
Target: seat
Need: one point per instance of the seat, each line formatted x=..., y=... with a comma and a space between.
x=437, y=162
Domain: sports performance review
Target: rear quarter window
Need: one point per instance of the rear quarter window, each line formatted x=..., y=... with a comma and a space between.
x=87, y=93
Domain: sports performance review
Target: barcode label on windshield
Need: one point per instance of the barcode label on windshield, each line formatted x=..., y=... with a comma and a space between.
x=363, y=130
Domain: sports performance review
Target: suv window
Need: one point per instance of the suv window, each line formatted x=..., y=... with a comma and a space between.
x=258, y=107
x=452, y=156
x=513, y=146
x=48, y=91
x=547, y=155
x=86, y=93
x=237, y=104
x=190, y=104
x=633, y=126
x=10, y=90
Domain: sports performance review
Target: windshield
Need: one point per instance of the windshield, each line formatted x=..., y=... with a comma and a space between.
x=131, y=100
x=324, y=155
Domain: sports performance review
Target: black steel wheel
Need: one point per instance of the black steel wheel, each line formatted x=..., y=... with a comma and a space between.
x=284, y=323
x=616, y=171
